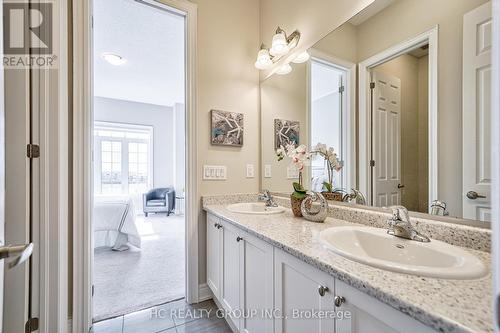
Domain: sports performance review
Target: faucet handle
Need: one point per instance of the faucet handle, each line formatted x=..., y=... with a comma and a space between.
x=400, y=213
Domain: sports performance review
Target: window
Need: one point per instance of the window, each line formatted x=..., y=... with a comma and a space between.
x=123, y=158
x=327, y=112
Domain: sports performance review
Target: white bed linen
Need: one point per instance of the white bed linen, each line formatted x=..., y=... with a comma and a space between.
x=114, y=223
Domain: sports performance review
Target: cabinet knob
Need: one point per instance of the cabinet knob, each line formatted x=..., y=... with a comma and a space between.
x=216, y=225
x=219, y=226
x=339, y=300
x=239, y=239
x=322, y=290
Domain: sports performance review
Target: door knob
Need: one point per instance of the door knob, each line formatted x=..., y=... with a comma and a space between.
x=239, y=239
x=339, y=300
x=20, y=253
x=401, y=186
x=322, y=290
x=473, y=195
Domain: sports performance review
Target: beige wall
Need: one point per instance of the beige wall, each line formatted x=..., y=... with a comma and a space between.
x=406, y=19
x=282, y=97
x=407, y=69
x=340, y=43
x=228, y=39
x=423, y=133
x=313, y=18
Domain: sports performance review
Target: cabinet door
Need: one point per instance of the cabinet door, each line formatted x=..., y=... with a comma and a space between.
x=256, y=285
x=230, y=287
x=214, y=254
x=363, y=313
x=297, y=293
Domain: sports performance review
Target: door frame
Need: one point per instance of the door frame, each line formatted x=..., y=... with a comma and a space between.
x=428, y=37
x=495, y=156
x=349, y=121
x=82, y=157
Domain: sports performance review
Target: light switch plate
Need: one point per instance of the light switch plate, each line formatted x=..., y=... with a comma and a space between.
x=267, y=171
x=214, y=172
x=292, y=172
x=250, y=171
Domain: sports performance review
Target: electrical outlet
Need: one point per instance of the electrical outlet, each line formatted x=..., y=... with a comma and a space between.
x=267, y=171
x=250, y=171
x=292, y=172
x=214, y=172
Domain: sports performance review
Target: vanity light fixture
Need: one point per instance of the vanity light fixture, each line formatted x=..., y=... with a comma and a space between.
x=301, y=57
x=282, y=44
x=264, y=60
x=114, y=59
x=285, y=69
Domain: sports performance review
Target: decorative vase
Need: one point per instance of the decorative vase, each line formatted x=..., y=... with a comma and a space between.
x=314, y=207
x=296, y=203
x=332, y=196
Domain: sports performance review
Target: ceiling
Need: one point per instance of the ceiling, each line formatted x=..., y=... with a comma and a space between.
x=152, y=42
x=375, y=7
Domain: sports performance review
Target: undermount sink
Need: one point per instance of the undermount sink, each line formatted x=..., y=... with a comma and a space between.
x=258, y=208
x=374, y=247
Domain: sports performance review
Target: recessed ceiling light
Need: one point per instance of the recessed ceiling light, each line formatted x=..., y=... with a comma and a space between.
x=114, y=59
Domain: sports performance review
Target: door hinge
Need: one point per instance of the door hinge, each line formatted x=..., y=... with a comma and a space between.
x=341, y=89
x=33, y=151
x=372, y=163
x=31, y=325
x=93, y=290
x=372, y=85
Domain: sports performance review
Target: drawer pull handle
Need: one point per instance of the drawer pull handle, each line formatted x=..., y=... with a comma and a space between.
x=339, y=300
x=239, y=239
x=322, y=290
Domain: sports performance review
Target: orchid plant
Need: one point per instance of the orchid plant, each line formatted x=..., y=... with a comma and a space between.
x=332, y=162
x=299, y=158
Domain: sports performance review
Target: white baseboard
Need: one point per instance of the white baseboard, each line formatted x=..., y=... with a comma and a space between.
x=204, y=292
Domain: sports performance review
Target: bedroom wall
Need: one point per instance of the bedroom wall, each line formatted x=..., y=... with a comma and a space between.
x=160, y=117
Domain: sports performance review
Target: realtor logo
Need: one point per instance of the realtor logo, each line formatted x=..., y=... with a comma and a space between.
x=28, y=34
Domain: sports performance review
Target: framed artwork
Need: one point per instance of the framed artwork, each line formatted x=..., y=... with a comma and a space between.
x=286, y=132
x=227, y=128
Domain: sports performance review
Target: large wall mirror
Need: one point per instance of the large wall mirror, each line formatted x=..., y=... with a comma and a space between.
x=401, y=92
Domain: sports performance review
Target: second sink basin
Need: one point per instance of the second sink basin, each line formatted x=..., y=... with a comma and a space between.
x=259, y=208
x=374, y=247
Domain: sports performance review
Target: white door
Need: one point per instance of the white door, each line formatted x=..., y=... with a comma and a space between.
x=15, y=191
x=214, y=254
x=386, y=140
x=476, y=113
x=366, y=314
x=300, y=287
x=256, y=285
x=230, y=287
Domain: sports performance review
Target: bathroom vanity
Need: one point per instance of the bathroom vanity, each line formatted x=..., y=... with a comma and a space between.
x=278, y=265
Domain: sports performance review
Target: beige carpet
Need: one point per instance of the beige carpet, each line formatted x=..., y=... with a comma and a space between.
x=132, y=280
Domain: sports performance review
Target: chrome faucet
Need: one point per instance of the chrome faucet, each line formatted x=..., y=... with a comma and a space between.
x=439, y=208
x=268, y=198
x=400, y=225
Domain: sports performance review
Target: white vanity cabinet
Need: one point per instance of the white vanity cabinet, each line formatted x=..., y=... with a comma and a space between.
x=240, y=275
x=301, y=287
x=247, y=274
x=364, y=313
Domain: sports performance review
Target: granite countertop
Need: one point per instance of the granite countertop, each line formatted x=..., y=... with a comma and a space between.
x=443, y=304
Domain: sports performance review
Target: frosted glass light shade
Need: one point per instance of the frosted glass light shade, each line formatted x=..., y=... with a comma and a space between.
x=114, y=59
x=263, y=60
x=285, y=69
x=301, y=57
x=279, y=46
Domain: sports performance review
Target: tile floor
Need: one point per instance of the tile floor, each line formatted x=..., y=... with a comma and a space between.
x=174, y=317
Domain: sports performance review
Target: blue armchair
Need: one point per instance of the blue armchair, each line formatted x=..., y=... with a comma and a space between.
x=159, y=200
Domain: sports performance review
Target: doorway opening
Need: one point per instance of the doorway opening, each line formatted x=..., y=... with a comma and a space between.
x=399, y=131
x=139, y=158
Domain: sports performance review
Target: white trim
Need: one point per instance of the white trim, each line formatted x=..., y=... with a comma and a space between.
x=82, y=143
x=204, y=292
x=495, y=154
x=349, y=122
x=430, y=37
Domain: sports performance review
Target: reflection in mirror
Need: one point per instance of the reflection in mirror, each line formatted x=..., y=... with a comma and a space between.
x=407, y=119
